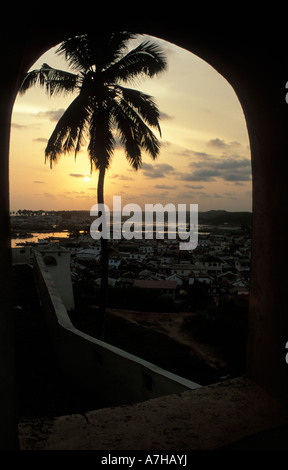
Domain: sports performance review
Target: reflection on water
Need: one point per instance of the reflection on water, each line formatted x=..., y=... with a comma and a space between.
x=36, y=237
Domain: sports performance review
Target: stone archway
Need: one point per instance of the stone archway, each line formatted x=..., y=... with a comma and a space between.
x=260, y=88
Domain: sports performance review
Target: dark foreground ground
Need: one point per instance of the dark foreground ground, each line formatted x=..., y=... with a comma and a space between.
x=243, y=421
x=41, y=390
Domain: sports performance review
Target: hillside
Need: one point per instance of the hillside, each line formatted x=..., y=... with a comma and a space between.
x=220, y=217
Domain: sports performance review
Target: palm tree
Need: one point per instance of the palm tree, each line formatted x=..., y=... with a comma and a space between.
x=100, y=66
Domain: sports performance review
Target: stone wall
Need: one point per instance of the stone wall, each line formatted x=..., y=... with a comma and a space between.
x=113, y=375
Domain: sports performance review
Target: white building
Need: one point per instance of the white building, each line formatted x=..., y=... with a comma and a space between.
x=114, y=262
x=57, y=263
x=89, y=253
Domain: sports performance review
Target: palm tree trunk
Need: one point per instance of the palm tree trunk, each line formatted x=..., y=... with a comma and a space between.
x=104, y=263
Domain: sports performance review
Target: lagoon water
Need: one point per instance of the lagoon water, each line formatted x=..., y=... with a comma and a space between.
x=36, y=236
x=134, y=228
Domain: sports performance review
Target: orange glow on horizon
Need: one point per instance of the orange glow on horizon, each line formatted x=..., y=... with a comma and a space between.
x=204, y=156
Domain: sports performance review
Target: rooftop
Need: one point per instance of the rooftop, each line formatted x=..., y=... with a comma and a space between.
x=150, y=284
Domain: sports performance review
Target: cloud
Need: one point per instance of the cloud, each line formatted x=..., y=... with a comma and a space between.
x=217, y=143
x=238, y=176
x=189, y=153
x=232, y=168
x=193, y=195
x=201, y=175
x=77, y=175
x=165, y=143
x=74, y=192
x=165, y=116
x=204, y=168
x=222, y=145
x=38, y=182
x=52, y=115
x=227, y=165
x=201, y=154
x=233, y=163
x=40, y=139
x=164, y=186
x=75, y=195
x=189, y=186
x=18, y=126
x=122, y=177
x=228, y=149
x=160, y=170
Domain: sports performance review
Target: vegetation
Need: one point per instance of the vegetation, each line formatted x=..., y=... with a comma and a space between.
x=217, y=217
x=223, y=326
x=104, y=111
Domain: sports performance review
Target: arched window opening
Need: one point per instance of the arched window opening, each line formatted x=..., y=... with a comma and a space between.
x=204, y=160
x=205, y=155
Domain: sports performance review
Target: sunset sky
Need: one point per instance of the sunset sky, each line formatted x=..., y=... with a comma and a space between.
x=204, y=158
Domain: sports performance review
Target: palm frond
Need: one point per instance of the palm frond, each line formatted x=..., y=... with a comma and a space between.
x=76, y=52
x=97, y=50
x=146, y=59
x=144, y=104
x=101, y=62
x=113, y=46
x=33, y=78
x=54, y=80
x=134, y=134
x=102, y=142
x=128, y=137
x=69, y=132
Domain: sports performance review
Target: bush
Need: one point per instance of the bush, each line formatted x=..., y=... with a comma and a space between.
x=136, y=298
x=224, y=327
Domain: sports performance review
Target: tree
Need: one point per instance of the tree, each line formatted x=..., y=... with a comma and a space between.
x=104, y=109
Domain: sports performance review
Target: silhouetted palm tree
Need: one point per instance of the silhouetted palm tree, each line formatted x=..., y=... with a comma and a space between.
x=100, y=65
